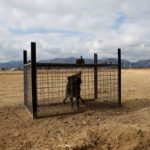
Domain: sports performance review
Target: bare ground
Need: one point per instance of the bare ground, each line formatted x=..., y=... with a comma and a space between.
x=125, y=128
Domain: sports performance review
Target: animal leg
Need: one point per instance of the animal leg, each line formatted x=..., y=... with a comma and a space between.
x=77, y=100
x=64, y=101
x=71, y=100
x=82, y=100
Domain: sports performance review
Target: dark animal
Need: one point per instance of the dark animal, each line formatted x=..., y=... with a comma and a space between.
x=73, y=88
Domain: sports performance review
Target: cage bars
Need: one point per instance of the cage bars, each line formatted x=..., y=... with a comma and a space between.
x=95, y=76
x=44, y=82
x=119, y=76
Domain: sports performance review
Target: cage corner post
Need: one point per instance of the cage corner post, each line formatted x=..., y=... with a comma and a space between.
x=24, y=73
x=119, y=77
x=95, y=77
x=34, y=80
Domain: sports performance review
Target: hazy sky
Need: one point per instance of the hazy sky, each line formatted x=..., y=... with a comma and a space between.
x=66, y=28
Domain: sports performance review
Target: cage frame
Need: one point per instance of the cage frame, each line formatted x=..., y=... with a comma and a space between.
x=34, y=64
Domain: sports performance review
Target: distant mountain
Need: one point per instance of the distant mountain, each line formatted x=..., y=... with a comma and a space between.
x=141, y=63
x=125, y=63
x=12, y=64
x=72, y=60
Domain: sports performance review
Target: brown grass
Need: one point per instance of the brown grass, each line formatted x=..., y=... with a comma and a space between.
x=126, y=128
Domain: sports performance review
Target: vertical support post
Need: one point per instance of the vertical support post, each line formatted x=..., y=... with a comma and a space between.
x=24, y=74
x=119, y=76
x=24, y=57
x=95, y=77
x=33, y=77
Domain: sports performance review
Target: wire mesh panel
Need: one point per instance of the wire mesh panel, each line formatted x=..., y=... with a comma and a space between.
x=28, y=87
x=51, y=87
x=108, y=84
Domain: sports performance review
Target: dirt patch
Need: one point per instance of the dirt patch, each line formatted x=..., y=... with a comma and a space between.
x=125, y=128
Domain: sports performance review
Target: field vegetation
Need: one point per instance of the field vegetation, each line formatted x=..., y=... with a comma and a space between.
x=119, y=128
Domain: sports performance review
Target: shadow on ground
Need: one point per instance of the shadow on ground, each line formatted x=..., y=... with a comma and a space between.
x=59, y=109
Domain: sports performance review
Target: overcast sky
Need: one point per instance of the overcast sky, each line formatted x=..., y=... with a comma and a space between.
x=66, y=28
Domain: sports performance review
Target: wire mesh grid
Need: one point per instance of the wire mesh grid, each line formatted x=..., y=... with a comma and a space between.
x=28, y=87
x=51, y=87
x=108, y=84
x=52, y=82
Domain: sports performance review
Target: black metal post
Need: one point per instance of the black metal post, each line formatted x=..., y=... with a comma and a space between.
x=119, y=76
x=33, y=76
x=24, y=74
x=24, y=57
x=95, y=77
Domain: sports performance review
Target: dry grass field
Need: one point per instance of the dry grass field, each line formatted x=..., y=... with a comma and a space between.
x=124, y=128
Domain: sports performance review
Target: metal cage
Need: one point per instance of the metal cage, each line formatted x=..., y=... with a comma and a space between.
x=45, y=85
